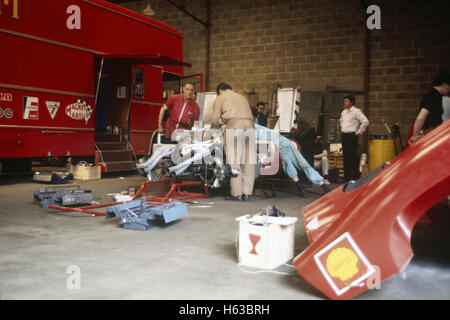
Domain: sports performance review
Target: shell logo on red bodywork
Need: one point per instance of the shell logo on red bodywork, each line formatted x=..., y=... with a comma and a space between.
x=79, y=110
x=343, y=264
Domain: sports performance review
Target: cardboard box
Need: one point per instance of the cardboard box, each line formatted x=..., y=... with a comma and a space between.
x=85, y=172
x=265, y=242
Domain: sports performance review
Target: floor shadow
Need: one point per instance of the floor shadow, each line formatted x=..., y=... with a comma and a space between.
x=230, y=252
x=16, y=178
x=296, y=282
x=431, y=242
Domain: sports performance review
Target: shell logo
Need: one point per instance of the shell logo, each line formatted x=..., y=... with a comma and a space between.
x=342, y=263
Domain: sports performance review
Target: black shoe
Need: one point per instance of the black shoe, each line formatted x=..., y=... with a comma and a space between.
x=237, y=198
x=246, y=197
x=325, y=188
x=300, y=188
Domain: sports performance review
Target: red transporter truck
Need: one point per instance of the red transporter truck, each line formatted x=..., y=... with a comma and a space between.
x=71, y=69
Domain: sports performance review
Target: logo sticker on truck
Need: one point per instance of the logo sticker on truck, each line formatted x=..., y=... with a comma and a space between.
x=14, y=9
x=79, y=110
x=52, y=107
x=6, y=96
x=31, y=108
x=8, y=113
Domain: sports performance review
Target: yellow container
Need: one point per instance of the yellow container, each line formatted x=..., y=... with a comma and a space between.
x=380, y=151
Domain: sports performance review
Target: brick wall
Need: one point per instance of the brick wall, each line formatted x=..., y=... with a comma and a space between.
x=411, y=47
x=261, y=44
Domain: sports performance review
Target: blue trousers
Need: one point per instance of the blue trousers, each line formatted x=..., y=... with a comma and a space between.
x=292, y=160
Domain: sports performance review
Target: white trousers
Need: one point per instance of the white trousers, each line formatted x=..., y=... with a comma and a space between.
x=322, y=163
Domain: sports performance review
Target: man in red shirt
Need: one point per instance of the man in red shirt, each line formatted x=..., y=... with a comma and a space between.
x=183, y=111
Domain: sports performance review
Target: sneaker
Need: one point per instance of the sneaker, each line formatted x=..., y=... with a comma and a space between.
x=246, y=197
x=326, y=181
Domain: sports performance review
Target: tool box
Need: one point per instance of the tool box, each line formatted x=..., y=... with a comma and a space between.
x=138, y=215
x=71, y=195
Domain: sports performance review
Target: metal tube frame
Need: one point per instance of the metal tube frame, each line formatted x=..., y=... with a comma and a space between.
x=174, y=194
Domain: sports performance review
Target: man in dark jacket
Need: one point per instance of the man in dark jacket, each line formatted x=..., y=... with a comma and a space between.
x=431, y=109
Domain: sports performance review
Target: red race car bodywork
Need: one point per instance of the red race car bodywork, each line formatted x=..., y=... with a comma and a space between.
x=361, y=231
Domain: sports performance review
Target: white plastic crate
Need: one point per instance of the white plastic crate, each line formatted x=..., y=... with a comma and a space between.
x=265, y=242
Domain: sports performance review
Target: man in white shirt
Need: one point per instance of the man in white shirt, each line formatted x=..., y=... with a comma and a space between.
x=353, y=124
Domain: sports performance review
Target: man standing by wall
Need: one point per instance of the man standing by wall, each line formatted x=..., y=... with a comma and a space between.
x=431, y=108
x=234, y=111
x=183, y=111
x=353, y=124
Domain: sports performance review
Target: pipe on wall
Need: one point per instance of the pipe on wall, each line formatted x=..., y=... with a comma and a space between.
x=207, y=25
x=366, y=111
x=207, y=43
x=367, y=48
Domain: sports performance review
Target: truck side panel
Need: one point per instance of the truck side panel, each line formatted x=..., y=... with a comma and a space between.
x=47, y=73
x=144, y=112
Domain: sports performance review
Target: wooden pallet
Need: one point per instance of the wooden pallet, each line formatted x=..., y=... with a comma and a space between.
x=336, y=160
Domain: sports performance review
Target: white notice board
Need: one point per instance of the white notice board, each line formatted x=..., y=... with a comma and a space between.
x=287, y=108
x=205, y=101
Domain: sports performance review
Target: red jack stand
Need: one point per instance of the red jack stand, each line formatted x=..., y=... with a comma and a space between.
x=174, y=194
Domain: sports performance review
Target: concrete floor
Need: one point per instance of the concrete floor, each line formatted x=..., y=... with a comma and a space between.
x=193, y=258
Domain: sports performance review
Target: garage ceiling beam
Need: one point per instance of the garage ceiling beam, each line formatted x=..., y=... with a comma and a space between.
x=182, y=8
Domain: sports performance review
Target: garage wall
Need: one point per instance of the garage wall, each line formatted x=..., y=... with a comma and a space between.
x=411, y=47
x=261, y=44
